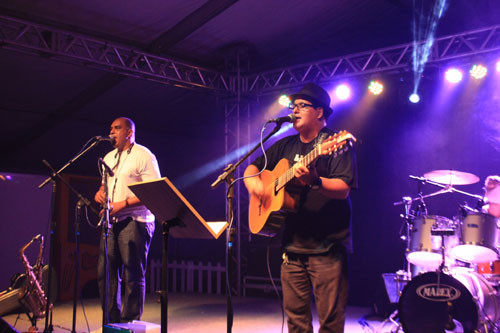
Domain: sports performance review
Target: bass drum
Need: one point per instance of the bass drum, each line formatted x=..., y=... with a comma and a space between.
x=433, y=302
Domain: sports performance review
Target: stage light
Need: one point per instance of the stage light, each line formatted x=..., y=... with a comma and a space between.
x=453, y=75
x=478, y=71
x=284, y=100
x=343, y=92
x=376, y=87
x=498, y=66
x=414, y=98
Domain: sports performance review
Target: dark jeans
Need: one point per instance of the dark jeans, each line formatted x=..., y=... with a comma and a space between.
x=128, y=245
x=323, y=275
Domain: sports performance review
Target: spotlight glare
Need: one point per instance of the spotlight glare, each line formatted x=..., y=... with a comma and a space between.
x=498, y=66
x=343, y=92
x=453, y=75
x=414, y=98
x=284, y=100
x=478, y=72
x=376, y=87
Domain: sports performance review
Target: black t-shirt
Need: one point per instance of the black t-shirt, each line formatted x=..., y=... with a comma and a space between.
x=319, y=221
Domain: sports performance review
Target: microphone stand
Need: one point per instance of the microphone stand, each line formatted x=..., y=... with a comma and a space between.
x=81, y=202
x=228, y=177
x=52, y=178
x=106, y=227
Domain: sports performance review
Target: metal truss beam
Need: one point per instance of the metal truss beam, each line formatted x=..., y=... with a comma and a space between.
x=23, y=36
x=382, y=60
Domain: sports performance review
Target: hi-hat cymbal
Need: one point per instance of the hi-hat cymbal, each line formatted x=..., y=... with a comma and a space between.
x=452, y=177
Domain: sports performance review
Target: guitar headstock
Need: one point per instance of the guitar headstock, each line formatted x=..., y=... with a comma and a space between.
x=336, y=144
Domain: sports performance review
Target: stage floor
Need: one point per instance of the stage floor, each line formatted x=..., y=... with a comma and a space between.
x=190, y=313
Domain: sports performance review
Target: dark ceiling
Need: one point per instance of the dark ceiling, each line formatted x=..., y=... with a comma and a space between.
x=46, y=103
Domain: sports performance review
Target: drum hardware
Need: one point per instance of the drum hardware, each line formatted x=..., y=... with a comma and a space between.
x=477, y=309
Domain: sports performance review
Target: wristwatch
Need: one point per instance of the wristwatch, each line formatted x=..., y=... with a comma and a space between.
x=316, y=185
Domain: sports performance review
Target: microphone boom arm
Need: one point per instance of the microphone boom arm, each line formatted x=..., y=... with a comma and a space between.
x=69, y=163
x=230, y=168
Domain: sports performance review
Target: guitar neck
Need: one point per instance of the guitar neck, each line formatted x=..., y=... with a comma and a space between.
x=282, y=180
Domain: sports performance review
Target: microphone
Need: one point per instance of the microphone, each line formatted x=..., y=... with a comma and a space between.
x=285, y=119
x=106, y=138
x=108, y=169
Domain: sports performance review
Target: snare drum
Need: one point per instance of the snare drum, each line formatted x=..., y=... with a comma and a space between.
x=478, y=236
x=425, y=248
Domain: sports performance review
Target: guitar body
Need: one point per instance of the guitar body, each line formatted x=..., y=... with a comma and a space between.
x=266, y=216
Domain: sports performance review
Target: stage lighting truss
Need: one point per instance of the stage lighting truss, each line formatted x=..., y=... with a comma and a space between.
x=66, y=46
x=463, y=45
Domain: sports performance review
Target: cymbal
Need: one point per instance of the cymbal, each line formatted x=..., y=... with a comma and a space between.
x=452, y=177
x=493, y=195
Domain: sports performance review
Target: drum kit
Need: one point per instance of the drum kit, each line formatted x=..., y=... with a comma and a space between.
x=452, y=278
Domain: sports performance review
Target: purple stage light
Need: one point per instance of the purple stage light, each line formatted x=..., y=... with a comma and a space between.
x=478, y=71
x=414, y=98
x=284, y=100
x=343, y=92
x=453, y=75
x=376, y=87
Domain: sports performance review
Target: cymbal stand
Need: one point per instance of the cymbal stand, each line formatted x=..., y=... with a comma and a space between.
x=407, y=217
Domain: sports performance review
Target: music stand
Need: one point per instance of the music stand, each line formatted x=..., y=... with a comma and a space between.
x=170, y=207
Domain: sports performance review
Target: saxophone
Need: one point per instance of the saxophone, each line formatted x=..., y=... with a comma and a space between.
x=32, y=296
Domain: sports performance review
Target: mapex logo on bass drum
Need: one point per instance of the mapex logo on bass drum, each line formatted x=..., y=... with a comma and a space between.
x=438, y=292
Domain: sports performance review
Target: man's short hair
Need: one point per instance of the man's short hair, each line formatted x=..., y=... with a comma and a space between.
x=129, y=123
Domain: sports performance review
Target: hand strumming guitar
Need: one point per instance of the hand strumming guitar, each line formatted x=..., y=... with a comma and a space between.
x=305, y=176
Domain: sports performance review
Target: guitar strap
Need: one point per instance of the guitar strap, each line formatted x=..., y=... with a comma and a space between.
x=320, y=138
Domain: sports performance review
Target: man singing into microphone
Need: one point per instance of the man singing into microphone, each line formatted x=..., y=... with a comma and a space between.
x=315, y=237
x=130, y=235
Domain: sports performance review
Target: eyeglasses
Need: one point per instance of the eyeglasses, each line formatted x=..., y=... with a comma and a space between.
x=300, y=106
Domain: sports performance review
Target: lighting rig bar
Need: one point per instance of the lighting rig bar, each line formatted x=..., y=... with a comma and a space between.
x=391, y=58
x=66, y=46
x=23, y=36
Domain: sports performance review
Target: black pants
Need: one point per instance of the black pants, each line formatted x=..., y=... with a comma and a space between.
x=325, y=276
x=128, y=245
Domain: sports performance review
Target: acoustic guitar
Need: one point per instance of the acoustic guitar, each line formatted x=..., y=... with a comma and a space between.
x=266, y=216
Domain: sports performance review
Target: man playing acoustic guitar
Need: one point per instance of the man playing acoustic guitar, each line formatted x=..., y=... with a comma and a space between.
x=316, y=232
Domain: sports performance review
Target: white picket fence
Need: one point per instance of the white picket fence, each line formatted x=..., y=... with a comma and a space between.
x=186, y=276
